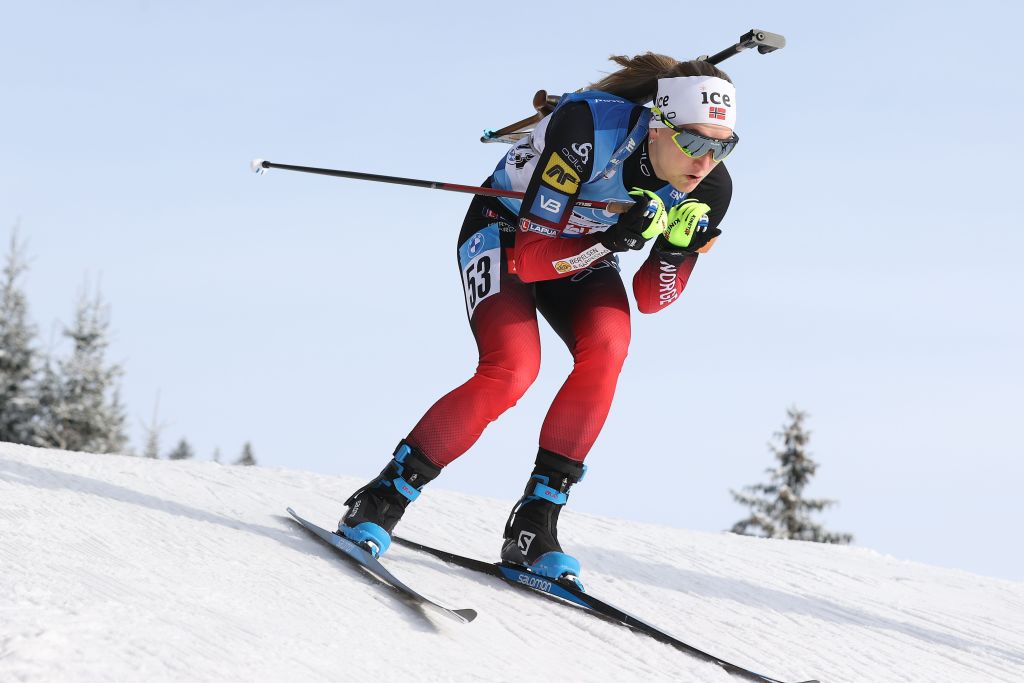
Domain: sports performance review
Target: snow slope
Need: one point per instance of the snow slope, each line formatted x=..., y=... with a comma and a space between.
x=118, y=569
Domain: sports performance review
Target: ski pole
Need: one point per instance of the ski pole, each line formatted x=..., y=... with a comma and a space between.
x=261, y=166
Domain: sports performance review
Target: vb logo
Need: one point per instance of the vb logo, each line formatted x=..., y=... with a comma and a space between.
x=549, y=204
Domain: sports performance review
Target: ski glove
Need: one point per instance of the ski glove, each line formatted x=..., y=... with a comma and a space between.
x=687, y=230
x=644, y=220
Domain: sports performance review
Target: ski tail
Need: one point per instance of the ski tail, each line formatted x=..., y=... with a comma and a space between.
x=370, y=564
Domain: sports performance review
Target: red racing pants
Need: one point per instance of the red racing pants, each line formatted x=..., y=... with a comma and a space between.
x=590, y=313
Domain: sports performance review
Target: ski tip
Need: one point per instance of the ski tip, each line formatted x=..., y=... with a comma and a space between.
x=469, y=615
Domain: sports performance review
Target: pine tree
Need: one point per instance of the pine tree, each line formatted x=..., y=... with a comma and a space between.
x=216, y=455
x=80, y=404
x=153, y=429
x=18, y=357
x=247, y=457
x=183, y=451
x=779, y=509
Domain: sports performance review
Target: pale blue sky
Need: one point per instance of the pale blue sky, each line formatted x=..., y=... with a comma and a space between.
x=868, y=271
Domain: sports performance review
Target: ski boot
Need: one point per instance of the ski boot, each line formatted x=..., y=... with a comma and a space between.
x=531, y=533
x=374, y=510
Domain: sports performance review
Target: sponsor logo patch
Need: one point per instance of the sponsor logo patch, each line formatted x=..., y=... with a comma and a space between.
x=526, y=225
x=550, y=205
x=520, y=155
x=560, y=175
x=580, y=260
x=574, y=161
x=583, y=150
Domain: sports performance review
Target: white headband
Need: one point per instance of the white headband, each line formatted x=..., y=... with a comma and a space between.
x=695, y=99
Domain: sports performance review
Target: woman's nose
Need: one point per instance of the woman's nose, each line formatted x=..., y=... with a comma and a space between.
x=705, y=163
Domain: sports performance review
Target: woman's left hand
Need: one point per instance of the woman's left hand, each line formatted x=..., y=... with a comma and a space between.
x=684, y=226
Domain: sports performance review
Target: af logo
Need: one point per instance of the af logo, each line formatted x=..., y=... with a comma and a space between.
x=559, y=174
x=561, y=178
x=475, y=243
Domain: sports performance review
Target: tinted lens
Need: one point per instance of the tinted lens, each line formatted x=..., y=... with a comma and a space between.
x=694, y=145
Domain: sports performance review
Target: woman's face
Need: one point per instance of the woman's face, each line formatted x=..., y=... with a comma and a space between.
x=671, y=165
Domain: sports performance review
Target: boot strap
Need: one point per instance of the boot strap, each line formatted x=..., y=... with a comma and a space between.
x=549, y=494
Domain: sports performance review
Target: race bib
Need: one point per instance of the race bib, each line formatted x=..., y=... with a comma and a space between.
x=480, y=264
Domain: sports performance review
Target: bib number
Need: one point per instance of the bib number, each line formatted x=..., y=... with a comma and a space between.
x=480, y=265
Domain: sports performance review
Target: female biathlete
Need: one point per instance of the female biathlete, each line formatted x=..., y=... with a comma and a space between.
x=543, y=253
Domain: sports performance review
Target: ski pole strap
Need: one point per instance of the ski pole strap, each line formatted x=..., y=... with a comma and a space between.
x=628, y=145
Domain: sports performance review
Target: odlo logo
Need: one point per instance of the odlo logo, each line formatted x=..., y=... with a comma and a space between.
x=525, y=539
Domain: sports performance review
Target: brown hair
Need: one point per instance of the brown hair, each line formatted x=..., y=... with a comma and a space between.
x=637, y=80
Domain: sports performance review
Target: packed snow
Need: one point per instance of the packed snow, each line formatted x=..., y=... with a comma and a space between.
x=115, y=569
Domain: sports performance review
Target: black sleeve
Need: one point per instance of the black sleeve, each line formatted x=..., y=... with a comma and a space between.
x=566, y=161
x=715, y=191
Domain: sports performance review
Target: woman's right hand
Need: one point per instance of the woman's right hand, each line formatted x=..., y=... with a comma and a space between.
x=646, y=219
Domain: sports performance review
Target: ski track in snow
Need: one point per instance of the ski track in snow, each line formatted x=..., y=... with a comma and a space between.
x=115, y=569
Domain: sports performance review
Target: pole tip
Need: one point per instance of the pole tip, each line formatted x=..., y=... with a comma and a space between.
x=257, y=167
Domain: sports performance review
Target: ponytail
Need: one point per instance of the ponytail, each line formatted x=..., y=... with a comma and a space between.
x=637, y=80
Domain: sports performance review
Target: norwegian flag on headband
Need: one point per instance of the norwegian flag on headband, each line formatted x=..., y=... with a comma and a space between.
x=694, y=99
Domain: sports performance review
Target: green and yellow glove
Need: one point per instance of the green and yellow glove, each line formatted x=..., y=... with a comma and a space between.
x=644, y=220
x=684, y=229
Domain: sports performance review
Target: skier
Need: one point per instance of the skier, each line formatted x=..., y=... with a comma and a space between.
x=543, y=253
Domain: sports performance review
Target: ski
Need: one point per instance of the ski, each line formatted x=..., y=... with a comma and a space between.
x=369, y=563
x=568, y=592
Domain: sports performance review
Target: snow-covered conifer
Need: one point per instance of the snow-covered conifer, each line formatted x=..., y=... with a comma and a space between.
x=247, y=457
x=153, y=429
x=80, y=405
x=183, y=451
x=778, y=509
x=18, y=357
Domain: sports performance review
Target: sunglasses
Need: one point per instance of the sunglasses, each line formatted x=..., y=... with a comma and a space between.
x=696, y=145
